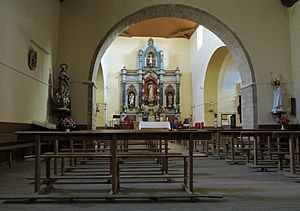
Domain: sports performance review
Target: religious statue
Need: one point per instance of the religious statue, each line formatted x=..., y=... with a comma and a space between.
x=62, y=95
x=131, y=99
x=170, y=100
x=211, y=107
x=63, y=78
x=150, y=60
x=277, y=101
x=151, y=92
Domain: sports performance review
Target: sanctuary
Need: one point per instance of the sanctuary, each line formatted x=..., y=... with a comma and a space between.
x=150, y=93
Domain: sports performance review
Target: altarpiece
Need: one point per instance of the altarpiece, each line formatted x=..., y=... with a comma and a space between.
x=150, y=93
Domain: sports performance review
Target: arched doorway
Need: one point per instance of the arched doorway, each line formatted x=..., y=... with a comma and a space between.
x=211, y=85
x=231, y=40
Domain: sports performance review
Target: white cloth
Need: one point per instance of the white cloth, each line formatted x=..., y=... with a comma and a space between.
x=158, y=125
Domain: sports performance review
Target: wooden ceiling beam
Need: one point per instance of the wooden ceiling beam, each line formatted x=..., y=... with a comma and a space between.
x=182, y=33
x=125, y=34
x=288, y=3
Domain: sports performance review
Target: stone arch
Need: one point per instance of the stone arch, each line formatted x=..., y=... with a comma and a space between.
x=231, y=40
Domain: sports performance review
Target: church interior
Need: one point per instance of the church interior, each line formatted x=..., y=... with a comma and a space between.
x=140, y=101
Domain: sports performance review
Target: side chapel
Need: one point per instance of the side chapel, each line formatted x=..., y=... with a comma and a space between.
x=150, y=93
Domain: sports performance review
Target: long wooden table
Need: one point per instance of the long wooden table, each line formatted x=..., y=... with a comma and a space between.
x=113, y=136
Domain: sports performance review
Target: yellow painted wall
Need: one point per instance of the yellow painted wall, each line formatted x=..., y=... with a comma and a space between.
x=100, y=98
x=24, y=94
x=211, y=84
x=200, y=57
x=294, y=14
x=84, y=24
x=124, y=52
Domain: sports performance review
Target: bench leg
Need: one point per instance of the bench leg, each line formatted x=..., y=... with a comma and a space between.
x=166, y=158
x=298, y=151
x=11, y=160
x=280, y=158
x=55, y=166
x=48, y=171
x=62, y=167
x=118, y=174
x=247, y=157
x=185, y=171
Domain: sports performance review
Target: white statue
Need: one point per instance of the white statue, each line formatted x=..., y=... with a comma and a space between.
x=131, y=99
x=170, y=100
x=151, y=92
x=150, y=60
x=277, y=102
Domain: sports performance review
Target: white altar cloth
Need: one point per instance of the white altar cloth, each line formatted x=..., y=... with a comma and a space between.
x=158, y=125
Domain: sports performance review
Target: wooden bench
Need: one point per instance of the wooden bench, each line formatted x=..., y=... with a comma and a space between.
x=10, y=145
x=49, y=180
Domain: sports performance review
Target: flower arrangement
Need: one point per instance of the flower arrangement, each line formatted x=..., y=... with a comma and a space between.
x=283, y=120
x=67, y=123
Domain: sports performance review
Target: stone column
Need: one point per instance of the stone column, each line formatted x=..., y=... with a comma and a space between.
x=249, y=114
x=177, y=91
x=91, y=121
x=140, y=91
x=123, y=94
x=161, y=86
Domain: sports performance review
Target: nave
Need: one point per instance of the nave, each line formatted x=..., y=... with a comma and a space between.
x=241, y=187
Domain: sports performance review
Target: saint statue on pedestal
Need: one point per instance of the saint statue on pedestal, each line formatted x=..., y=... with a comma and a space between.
x=62, y=95
x=277, y=101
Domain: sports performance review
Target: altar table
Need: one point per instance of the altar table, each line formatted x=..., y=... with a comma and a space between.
x=154, y=125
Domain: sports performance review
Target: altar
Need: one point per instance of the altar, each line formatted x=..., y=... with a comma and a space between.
x=150, y=93
x=154, y=125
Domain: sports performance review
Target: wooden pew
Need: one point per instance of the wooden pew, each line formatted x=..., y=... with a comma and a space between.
x=259, y=147
x=9, y=143
x=114, y=137
x=292, y=155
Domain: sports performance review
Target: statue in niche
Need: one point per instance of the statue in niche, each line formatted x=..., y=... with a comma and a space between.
x=150, y=59
x=151, y=96
x=131, y=100
x=170, y=100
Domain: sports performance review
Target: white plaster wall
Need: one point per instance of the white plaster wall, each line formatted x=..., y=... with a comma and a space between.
x=24, y=94
x=262, y=26
x=228, y=88
x=124, y=52
x=294, y=14
x=199, y=61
